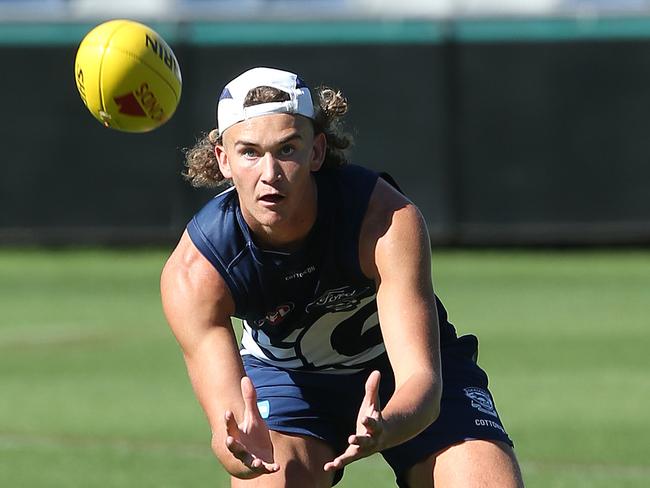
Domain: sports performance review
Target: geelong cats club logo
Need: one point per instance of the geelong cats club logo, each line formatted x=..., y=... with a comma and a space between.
x=481, y=400
x=276, y=316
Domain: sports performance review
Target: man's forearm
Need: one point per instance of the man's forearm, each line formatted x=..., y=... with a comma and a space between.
x=411, y=409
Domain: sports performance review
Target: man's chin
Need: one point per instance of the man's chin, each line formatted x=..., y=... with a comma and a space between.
x=269, y=217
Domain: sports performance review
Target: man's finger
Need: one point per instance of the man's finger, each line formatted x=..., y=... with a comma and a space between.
x=372, y=390
x=351, y=454
x=252, y=412
x=232, y=429
x=238, y=450
x=365, y=442
x=338, y=463
x=372, y=425
x=251, y=462
x=261, y=467
x=248, y=392
x=268, y=468
x=331, y=466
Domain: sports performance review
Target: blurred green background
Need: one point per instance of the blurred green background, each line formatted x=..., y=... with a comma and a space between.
x=94, y=391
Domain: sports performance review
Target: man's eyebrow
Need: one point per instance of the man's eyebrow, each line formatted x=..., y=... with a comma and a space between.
x=291, y=137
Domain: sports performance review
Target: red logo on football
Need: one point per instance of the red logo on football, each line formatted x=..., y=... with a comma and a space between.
x=129, y=105
x=141, y=103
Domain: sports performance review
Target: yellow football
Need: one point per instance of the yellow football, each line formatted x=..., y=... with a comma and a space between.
x=127, y=76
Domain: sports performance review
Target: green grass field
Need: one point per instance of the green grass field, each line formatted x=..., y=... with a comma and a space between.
x=93, y=391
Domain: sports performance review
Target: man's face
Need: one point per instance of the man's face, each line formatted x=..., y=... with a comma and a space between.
x=270, y=159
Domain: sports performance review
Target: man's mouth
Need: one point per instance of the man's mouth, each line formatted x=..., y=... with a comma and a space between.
x=275, y=198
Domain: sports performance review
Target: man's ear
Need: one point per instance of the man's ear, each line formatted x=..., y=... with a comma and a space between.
x=318, y=151
x=222, y=158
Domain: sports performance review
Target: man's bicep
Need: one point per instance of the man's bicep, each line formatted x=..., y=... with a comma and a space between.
x=194, y=296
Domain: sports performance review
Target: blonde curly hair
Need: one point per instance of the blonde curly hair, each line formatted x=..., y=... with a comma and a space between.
x=202, y=168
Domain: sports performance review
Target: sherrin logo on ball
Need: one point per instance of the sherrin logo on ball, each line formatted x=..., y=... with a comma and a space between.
x=127, y=76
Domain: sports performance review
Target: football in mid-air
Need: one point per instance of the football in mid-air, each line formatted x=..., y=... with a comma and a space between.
x=127, y=76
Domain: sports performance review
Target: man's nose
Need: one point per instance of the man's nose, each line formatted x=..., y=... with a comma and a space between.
x=270, y=168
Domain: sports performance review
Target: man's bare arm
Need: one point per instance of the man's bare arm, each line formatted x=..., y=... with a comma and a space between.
x=396, y=252
x=198, y=306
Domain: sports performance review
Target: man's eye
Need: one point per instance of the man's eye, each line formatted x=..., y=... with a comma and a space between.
x=286, y=151
x=249, y=153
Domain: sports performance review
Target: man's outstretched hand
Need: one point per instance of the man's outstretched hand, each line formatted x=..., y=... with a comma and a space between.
x=249, y=440
x=370, y=428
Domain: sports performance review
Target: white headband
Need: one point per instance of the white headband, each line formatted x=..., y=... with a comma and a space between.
x=231, y=110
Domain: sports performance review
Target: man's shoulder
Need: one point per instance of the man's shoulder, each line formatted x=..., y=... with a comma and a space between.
x=216, y=218
x=350, y=186
x=387, y=207
x=215, y=230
